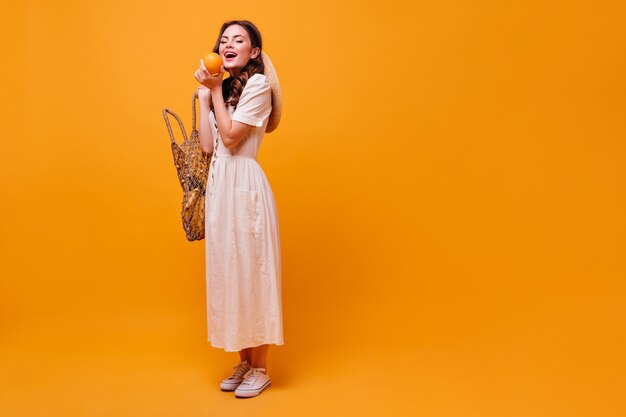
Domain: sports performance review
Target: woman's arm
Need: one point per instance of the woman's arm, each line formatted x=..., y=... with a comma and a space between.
x=231, y=132
x=204, y=127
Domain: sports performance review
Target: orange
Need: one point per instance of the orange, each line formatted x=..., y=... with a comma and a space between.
x=213, y=62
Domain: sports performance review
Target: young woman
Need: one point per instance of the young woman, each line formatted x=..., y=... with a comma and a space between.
x=243, y=265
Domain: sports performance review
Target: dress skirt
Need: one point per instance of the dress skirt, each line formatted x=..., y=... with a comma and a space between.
x=243, y=265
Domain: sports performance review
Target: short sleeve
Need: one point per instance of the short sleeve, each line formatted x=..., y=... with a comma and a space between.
x=255, y=102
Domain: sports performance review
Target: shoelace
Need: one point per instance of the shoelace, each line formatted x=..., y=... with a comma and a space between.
x=240, y=370
x=250, y=376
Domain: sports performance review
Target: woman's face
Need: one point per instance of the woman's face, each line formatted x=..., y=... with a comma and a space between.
x=236, y=49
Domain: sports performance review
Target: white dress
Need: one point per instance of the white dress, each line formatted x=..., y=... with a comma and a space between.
x=243, y=265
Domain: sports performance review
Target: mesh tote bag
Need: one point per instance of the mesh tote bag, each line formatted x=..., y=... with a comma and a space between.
x=192, y=166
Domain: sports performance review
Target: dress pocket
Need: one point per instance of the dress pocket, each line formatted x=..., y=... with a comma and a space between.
x=248, y=212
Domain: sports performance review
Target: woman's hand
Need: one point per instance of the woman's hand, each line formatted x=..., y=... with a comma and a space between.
x=204, y=94
x=204, y=77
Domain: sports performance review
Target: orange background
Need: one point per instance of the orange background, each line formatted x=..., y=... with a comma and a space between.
x=450, y=180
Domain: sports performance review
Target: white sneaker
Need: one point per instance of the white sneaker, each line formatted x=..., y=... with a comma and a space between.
x=233, y=381
x=255, y=381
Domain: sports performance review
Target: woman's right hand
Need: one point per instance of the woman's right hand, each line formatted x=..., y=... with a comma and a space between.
x=204, y=94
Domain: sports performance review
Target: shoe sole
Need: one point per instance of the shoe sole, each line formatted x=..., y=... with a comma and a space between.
x=253, y=393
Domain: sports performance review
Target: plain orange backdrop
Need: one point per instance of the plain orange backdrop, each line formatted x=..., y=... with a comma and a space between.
x=450, y=180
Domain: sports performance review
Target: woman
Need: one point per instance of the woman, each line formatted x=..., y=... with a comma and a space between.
x=243, y=265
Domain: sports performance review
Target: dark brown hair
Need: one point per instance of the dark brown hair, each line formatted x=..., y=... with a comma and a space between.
x=233, y=86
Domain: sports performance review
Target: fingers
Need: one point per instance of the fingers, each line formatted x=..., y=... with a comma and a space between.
x=199, y=76
x=202, y=70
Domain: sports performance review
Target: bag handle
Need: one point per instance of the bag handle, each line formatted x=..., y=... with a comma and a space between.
x=193, y=108
x=169, y=128
x=180, y=123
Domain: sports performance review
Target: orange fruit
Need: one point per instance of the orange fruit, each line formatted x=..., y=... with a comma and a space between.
x=213, y=62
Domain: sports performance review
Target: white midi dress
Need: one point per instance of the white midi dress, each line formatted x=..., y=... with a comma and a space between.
x=243, y=263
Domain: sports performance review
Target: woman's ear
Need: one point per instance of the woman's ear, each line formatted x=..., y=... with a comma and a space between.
x=255, y=52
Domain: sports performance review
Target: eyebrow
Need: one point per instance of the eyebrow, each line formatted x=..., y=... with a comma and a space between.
x=224, y=36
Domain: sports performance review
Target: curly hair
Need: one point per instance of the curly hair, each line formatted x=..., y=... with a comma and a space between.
x=233, y=86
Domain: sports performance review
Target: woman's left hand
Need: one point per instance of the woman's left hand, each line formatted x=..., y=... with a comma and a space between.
x=205, y=78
